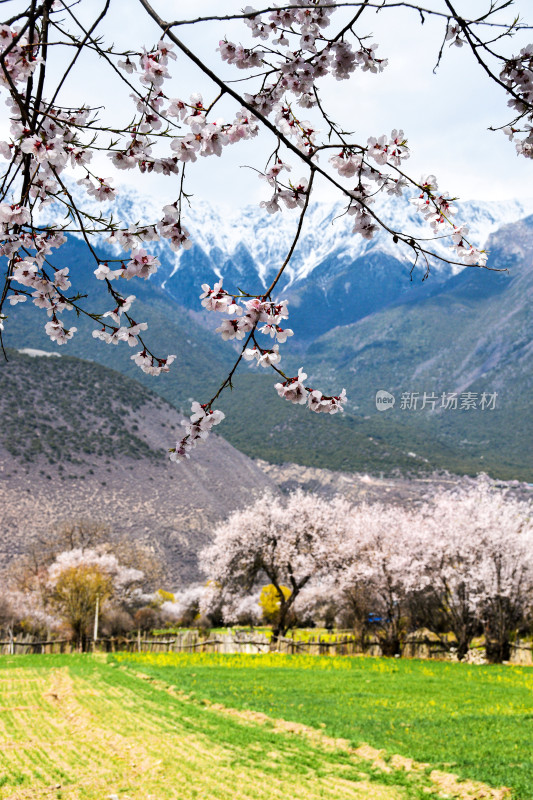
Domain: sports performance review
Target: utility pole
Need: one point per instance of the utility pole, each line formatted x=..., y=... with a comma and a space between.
x=96, y=613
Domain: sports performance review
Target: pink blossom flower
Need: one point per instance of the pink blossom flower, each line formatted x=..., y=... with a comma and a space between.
x=60, y=278
x=14, y=215
x=142, y=265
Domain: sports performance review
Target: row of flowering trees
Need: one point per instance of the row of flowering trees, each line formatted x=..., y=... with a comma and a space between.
x=461, y=562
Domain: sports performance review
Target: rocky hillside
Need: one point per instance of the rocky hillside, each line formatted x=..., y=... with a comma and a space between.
x=79, y=440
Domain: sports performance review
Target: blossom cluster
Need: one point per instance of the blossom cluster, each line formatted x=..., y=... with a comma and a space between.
x=20, y=55
x=517, y=75
x=305, y=53
x=204, y=138
x=293, y=196
x=454, y=35
x=55, y=147
x=197, y=429
x=438, y=208
x=247, y=313
x=27, y=254
x=51, y=151
x=294, y=390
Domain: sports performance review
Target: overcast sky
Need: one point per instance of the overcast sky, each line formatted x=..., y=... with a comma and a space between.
x=444, y=115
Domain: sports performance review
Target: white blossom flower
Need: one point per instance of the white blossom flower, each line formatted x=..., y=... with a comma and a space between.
x=293, y=389
x=17, y=298
x=60, y=278
x=58, y=333
x=103, y=272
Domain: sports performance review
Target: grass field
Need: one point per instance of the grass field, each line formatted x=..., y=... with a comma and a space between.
x=181, y=726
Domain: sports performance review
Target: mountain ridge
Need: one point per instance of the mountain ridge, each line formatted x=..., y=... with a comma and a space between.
x=342, y=274
x=266, y=238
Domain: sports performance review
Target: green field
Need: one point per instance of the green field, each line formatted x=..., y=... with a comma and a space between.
x=282, y=727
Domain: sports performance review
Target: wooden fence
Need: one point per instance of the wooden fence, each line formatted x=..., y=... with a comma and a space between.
x=415, y=646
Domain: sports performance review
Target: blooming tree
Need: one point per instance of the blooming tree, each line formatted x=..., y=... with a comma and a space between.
x=287, y=51
x=462, y=560
x=381, y=562
x=26, y=611
x=82, y=581
x=290, y=543
x=478, y=554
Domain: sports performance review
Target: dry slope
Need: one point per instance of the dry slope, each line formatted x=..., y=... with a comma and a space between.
x=80, y=440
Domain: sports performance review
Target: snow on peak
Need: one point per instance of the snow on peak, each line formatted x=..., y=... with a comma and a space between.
x=223, y=234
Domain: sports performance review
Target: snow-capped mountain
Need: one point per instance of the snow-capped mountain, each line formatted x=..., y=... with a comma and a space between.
x=226, y=234
x=327, y=233
x=337, y=274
